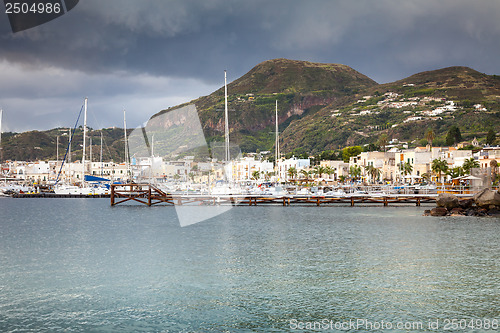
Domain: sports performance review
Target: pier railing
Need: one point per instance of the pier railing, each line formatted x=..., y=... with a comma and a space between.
x=150, y=195
x=142, y=193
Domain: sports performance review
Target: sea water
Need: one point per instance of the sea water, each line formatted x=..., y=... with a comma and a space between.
x=79, y=265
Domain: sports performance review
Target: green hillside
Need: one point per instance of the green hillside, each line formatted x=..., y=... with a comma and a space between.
x=300, y=87
x=41, y=145
x=321, y=107
x=419, y=96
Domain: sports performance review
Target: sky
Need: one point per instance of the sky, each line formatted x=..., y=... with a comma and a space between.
x=145, y=56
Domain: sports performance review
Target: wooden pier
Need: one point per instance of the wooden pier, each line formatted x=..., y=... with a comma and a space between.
x=142, y=193
x=150, y=195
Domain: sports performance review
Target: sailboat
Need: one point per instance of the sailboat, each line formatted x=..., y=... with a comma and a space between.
x=89, y=185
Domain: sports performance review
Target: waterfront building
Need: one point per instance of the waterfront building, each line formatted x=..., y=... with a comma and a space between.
x=340, y=168
x=286, y=164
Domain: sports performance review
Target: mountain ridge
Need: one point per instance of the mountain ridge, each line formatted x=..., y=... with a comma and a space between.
x=323, y=107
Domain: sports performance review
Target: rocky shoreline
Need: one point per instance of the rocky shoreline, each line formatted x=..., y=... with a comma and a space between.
x=484, y=203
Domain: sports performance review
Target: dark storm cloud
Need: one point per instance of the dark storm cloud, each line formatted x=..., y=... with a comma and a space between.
x=105, y=47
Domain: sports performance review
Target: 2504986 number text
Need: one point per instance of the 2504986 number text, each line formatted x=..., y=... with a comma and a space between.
x=35, y=8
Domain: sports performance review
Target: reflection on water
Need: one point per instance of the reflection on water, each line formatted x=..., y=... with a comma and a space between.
x=81, y=265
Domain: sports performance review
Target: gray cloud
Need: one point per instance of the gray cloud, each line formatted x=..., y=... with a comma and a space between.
x=136, y=52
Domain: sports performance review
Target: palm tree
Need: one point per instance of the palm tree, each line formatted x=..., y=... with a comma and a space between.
x=373, y=172
x=292, y=173
x=455, y=172
x=469, y=164
x=430, y=135
x=329, y=171
x=407, y=168
x=319, y=170
x=255, y=175
x=426, y=176
x=305, y=174
x=355, y=171
x=439, y=166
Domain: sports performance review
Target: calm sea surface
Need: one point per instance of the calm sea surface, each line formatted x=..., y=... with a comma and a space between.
x=79, y=265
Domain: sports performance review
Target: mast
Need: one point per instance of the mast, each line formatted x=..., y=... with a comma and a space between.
x=1, y=148
x=226, y=119
x=153, y=145
x=100, y=159
x=69, y=144
x=84, y=139
x=90, y=154
x=277, y=143
x=127, y=166
x=69, y=155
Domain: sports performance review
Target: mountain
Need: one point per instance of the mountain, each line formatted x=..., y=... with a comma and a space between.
x=41, y=145
x=300, y=87
x=404, y=110
x=321, y=107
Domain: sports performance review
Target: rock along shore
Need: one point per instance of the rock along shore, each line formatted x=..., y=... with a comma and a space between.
x=484, y=203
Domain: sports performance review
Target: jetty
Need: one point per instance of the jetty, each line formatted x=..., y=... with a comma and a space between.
x=150, y=195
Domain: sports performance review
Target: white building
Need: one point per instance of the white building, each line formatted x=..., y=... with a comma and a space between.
x=285, y=165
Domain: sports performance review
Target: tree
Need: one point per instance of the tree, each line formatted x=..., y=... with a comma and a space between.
x=426, y=176
x=319, y=170
x=347, y=152
x=292, y=172
x=373, y=172
x=355, y=171
x=383, y=140
x=469, y=164
x=493, y=166
x=407, y=168
x=305, y=174
x=430, y=135
x=255, y=175
x=439, y=166
x=329, y=171
x=491, y=137
x=458, y=135
x=455, y=172
x=453, y=136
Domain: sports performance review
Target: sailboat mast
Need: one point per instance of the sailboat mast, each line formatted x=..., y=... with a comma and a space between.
x=226, y=119
x=100, y=159
x=90, y=154
x=1, y=148
x=126, y=143
x=277, y=143
x=84, y=139
x=69, y=156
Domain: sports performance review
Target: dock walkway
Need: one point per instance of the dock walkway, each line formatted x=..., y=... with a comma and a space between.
x=150, y=195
